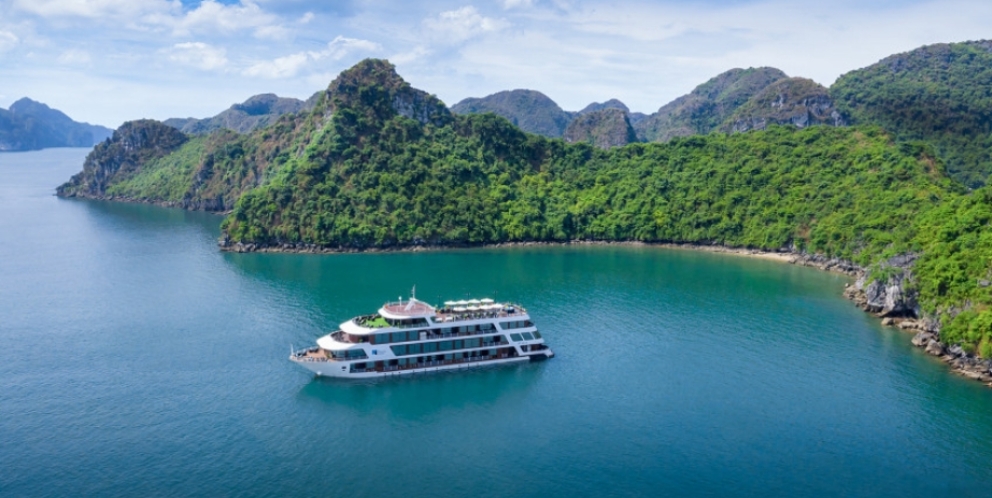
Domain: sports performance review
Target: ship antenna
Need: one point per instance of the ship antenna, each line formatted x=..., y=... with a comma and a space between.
x=413, y=292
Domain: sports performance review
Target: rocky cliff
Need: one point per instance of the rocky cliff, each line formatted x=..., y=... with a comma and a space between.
x=793, y=101
x=605, y=128
x=704, y=109
x=112, y=161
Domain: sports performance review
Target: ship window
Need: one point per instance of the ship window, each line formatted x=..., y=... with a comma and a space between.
x=444, y=346
x=537, y=335
x=430, y=347
x=528, y=336
x=398, y=336
x=414, y=348
x=449, y=356
x=516, y=337
x=459, y=345
x=472, y=343
x=447, y=330
x=382, y=338
x=398, y=350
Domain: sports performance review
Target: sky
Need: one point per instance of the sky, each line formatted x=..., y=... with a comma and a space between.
x=110, y=61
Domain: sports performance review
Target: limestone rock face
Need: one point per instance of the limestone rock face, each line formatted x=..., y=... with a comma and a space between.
x=888, y=295
x=704, y=109
x=133, y=144
x=793, y=101
x=605, y=128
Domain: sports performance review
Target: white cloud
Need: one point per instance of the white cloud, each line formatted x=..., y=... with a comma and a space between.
x=510, y=4
x=8, y=41
x=199, y=55
x=209, y=17
x=306, y=18
x=291, y=65
x=281, y=67
x=417, y=53
x=461, y=24
x=212, y=16
x=340, y=47
x=98, y=8
x=74, y=56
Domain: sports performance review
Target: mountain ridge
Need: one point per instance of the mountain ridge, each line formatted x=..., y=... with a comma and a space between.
x=32, y=125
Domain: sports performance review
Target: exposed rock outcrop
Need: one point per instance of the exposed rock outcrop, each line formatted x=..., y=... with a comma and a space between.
x=793, y=101
x=705, y=108
x=131, y=146
x=605, y=128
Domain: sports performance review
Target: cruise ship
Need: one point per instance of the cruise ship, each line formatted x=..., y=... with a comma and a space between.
x=407, y=337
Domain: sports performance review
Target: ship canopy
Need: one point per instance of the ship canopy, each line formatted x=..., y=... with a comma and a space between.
x=402, y=310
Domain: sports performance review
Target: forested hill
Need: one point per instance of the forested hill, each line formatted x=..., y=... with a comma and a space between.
x=941, y=94
x=378, y=164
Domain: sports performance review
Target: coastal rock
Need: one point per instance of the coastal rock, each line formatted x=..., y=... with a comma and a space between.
x=956, y=351
x=889, y=321
x=935, y=348
x=922, y=338
x=886, y=293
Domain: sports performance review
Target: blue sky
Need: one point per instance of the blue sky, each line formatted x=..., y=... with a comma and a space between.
x=108, y=61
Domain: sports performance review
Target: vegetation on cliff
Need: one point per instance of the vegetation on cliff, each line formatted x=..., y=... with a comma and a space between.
x=605, y=128
x=938, y=93
x=704, y=109
x=530, y=110
x=792, y=101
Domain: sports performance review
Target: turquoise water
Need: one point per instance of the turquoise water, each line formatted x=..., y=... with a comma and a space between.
x=137, y=360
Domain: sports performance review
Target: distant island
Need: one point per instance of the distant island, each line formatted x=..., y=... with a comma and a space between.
x=30, y=125
x=881, y=176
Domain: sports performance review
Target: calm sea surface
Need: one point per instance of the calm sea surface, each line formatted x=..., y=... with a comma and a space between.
x=137, y=360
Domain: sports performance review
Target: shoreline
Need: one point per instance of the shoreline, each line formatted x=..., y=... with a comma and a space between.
x=828, y=264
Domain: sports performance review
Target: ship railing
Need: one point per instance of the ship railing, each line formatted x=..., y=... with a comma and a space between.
x=438, y=363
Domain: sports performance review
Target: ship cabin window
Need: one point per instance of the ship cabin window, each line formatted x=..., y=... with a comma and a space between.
x=516, y=337
x=537, y=335
x=528, y=336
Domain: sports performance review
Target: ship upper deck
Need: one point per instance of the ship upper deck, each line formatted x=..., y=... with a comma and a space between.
x=418, y=314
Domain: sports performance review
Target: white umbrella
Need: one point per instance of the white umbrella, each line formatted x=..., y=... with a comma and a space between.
x=461, y=302
x=493, y=306
x=487, y=301
x=459, y=309
x=473, y=308
x=474, y=301
x=449, y=303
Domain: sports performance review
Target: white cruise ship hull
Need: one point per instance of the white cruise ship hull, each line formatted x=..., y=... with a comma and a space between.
x=335, y=369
